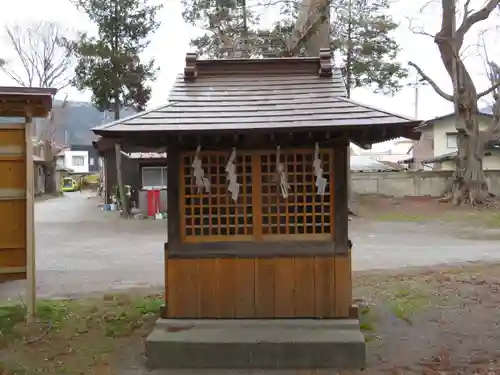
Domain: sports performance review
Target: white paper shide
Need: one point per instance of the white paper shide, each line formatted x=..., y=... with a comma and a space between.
x=234, y=186
x=199, y=174
x=280, y=169
x=321, y=182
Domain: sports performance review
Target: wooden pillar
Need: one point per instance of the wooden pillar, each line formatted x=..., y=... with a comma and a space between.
x=343, y=268
x=110, y=171
x=173, y=223
x=30, y=223
x=173, y=196
x=340, y=178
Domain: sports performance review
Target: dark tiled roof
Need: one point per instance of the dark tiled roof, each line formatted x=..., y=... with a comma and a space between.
x=257, y=94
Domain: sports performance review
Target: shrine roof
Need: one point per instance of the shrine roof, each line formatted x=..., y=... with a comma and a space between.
x=248, y=94
x=17, y=101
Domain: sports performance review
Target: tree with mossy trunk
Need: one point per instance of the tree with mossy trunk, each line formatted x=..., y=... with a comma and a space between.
x=109, y=63
x=468, y=184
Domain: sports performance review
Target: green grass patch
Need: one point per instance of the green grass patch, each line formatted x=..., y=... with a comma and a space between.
x=493, y=220
x=402, y=216
x=367, y=323
x=476, y=217
x=408, y=302
x=367, y=318
x=10, y=316
x=481, y=217
x=73, y=336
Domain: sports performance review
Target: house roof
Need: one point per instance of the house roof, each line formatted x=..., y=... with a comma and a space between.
x=440, y=158
x=248, y=94
x=492, y=145
x=363, y=163
x=444, y=117
x=15, y=101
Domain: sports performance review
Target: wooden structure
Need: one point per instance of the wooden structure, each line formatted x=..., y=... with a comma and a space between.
x=133, y=165
x=16, y=177
x=265, y=254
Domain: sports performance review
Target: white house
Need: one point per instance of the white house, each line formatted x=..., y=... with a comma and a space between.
x=437, y=146
x=75, y=161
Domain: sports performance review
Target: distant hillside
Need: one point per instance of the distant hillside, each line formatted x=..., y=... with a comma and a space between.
x=77, y=120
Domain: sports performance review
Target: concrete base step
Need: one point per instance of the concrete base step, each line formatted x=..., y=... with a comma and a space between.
x=272, y=344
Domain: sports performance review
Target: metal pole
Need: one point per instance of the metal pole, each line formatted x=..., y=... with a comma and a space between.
x=417, y=84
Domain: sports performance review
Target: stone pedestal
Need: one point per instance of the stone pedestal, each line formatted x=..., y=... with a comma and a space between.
x=240, y=343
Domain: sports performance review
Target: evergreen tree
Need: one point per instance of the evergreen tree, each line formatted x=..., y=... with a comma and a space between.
x=361, y=37
x=360, y=33
x=109, y=64
x=225, y=23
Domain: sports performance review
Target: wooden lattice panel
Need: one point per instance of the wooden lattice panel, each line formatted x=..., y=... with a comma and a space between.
x=214, y=216
x=303, y=212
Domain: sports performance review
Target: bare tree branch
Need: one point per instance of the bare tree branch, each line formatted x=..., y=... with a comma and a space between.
x=489, y=91
x=426, y=5
x=431, y=82
x=491, y=71
x=417, y=30
x=470, y=19
x=40, y=59
x=466, y=9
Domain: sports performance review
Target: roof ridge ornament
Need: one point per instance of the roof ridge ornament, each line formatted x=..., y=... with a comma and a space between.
x=190, y=70
x=325, y=63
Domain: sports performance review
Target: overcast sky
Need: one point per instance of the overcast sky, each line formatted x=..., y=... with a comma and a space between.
x=171, y=42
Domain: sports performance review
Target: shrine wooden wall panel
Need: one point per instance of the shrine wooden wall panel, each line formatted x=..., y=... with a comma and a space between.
x=279, y=287
x=13, y=228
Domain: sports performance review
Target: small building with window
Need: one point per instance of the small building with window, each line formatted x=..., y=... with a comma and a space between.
x=142, y=171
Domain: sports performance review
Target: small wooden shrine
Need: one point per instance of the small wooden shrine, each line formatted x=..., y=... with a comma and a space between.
x=257, y=153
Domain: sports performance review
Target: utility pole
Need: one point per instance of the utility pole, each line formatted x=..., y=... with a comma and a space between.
x=416, y=96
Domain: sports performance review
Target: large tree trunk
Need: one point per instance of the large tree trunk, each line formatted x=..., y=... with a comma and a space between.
x=119, y=176
x=468, y=185
x=119, y=181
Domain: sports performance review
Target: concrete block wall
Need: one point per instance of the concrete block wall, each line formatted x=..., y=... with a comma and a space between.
x=411, y=183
